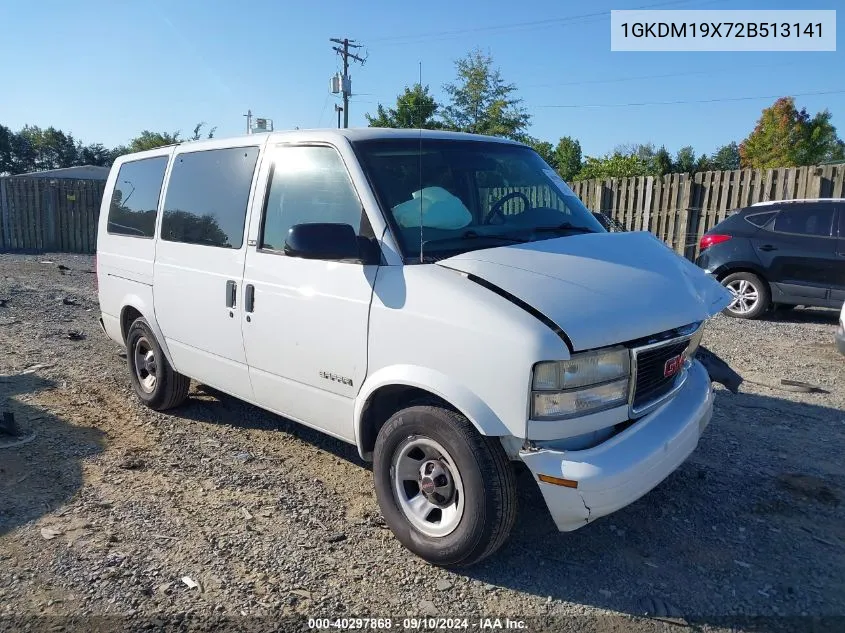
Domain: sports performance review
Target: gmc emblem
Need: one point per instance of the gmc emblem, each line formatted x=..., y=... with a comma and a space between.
x=673, y=366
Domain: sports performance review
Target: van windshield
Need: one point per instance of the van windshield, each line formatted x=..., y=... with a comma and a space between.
x=469, y=195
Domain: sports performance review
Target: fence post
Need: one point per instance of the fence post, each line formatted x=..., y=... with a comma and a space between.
x=5, y=241
x=683, y=216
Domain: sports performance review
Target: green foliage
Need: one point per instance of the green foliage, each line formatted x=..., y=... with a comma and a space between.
x=150, y=140
x=568, y=158
x=726, y=157
x=662, y=162
x=415, y=108
x=481, y=101
x=615, y=165
x=787, y=137
x=684, y=161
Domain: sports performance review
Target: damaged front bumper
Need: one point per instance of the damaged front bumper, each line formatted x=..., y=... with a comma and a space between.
x=619, y=471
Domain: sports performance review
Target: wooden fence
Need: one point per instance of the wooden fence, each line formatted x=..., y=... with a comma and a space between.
x=44, y=214
x=679, y=208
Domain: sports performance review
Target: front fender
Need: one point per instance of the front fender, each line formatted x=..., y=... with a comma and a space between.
x=464, y=400
x=144, y=305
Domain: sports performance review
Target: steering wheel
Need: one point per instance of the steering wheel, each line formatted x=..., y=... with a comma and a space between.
x=496, y=209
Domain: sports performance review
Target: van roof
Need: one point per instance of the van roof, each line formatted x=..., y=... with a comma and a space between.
x=358, y=134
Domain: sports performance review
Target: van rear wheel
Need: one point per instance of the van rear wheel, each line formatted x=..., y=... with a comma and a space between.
x=447, y=492
x=154, y=380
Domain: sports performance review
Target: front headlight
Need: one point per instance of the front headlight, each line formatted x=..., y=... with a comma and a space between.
x=585, y=383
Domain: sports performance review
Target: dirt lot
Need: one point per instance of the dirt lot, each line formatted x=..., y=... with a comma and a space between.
x=111, y=505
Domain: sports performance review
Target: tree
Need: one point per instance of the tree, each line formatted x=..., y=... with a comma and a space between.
x=196, y=135
x=568, y=158
x=684, y=160
x=481, y=101
x=787, y=137
x=49, y=148
x=726, y=157
x=94, y=154
x=415, y=108
x=7, y=140
x=662, y=162
x=150, y=140
x=616, y=165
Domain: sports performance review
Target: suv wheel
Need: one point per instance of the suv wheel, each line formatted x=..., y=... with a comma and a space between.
x=447, y=493
x=751, y=295
x=155, y=381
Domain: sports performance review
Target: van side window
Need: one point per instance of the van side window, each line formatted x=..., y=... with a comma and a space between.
x=134, y=202
x=207, y=197
x=309, y=184
x=805, y=220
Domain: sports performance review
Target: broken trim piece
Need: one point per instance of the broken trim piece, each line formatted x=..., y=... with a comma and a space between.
x=525, y=306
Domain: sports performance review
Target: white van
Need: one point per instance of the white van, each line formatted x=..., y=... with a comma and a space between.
x=443, y=301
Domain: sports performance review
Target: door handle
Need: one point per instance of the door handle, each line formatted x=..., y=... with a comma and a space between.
x=249, y=298
x=768, y=247
x=231, y=293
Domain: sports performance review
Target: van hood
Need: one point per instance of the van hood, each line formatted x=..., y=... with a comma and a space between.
x=600, y=288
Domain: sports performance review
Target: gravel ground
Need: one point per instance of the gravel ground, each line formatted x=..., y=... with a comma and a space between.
x=111, y=505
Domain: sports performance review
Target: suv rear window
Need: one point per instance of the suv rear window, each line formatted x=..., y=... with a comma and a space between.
x=134, y=202
x=813, y=220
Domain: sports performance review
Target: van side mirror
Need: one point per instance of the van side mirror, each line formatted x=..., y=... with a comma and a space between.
x=322, y=240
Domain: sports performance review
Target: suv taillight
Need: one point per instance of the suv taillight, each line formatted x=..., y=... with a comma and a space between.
x=709, y=240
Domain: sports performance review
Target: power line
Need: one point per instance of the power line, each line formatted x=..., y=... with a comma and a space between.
x=685, y=73
x=586, y=17
x=654, y=103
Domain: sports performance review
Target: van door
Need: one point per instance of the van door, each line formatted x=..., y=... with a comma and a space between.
x=305, y=333
x=797, y=251
x=199, y=263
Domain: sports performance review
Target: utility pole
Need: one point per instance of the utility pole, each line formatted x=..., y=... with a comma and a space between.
x=338, y=109
x=248, y=116
x=346, y=84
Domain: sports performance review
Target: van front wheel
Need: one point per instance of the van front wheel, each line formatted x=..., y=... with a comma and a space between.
x=155, y=381
x=446, y=492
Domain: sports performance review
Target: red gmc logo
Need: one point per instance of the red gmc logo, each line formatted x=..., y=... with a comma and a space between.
x=673, y=366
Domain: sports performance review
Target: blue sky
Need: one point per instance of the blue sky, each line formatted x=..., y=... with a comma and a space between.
x=105, y=70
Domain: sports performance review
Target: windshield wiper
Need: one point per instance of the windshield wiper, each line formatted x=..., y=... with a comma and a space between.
x=469, y=235
x=473, y=235
x=565, y=226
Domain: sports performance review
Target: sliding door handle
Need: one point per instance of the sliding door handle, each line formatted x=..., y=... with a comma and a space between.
x=231, y=293
x=249, y=298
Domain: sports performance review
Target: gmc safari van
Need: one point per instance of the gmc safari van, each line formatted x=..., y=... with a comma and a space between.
x=443, y=301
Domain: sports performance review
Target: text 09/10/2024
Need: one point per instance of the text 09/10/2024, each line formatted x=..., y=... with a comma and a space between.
x=755, y=30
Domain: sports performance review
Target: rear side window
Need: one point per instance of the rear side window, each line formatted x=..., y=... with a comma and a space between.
x=134, y=202
x=760, y=219
x=805, y=220
x=207, y=196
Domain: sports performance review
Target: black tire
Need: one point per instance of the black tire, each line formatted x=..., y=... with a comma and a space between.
x=487, y=478
x=760, y=286
x=169, y=388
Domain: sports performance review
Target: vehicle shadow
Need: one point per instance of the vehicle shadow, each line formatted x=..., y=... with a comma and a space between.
x=39, y=475
x=208, y=405
x=821, y=316
x=757, y=527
